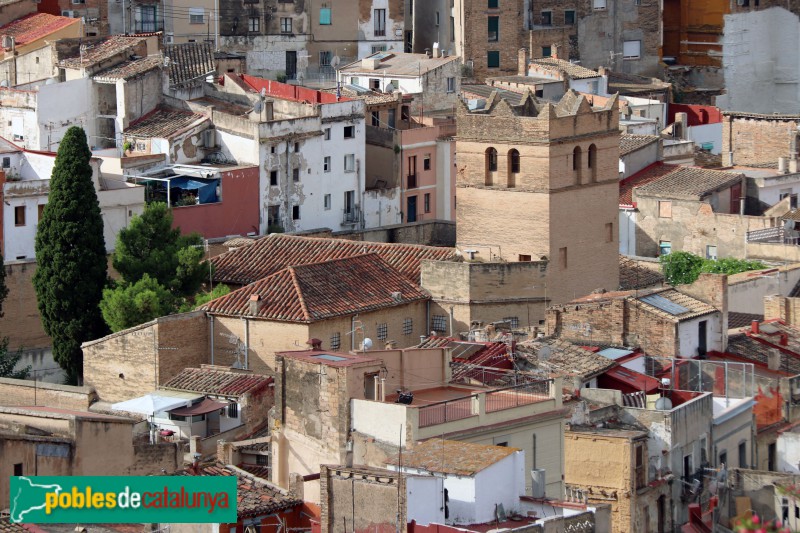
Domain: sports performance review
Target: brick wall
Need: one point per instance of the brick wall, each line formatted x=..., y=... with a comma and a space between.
x=475, y=35
x=594, y=322
x=757, y=139
x=786, y=309
x=25, y=392
x=20, y=321
x=182, y=343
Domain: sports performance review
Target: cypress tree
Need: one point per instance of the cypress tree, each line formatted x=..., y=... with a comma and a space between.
x=71, y=256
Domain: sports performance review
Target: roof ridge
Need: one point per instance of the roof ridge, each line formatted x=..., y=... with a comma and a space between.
x=299, y=290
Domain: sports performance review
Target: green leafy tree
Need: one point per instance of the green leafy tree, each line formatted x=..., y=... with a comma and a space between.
x=128, y=305
x=8, y=360
x=729, y=265
x=680, y=267
x=71, y=256
x=203, y=298
x=149, y=245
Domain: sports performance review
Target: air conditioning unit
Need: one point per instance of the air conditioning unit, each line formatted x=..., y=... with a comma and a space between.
x=539, y=483
x=169, y=39
x=70, y=14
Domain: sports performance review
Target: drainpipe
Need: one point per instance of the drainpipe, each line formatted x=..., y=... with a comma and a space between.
x=211, y=337
x=451, y=321
x=246, y=341
x=427, y=317
x=353, y=333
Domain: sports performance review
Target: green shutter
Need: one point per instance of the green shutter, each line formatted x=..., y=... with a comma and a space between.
x=325, y=15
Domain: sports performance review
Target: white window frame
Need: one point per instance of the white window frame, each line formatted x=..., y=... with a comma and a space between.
x=350, y=162
x=286, y=28
x=326, y=202
x=451, y=85
x=254, y=24
x=197, y=15
x=632, y=49
x=326, y=163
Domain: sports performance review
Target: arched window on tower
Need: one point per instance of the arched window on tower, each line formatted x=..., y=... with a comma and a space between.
x=593, y=163
x=513, y=168
x=577, y=161
x=491, y=165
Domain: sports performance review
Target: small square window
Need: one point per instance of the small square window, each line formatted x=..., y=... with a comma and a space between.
x=327, y=202
x=569, y=17
x=349, y=132
x=426, y=162
x=273, y=178
x=254, y=24
x=262, y=460
x=327, y=134
x=408, y=326
x=546, y=51
x=375, y=84
x=6, y=162
x=494, y=4
x=547, y=18
x=295, y=212
x=19, y=215
x=197, y=15
x=350, y=163
x=233, y=410
x=296, y=147
x=336, y=341
x=296, y=174
x=665, y=209
x=383, y=332
x=17, y=469
x=439, y=324
x=325, y=16
x=493, y=59
x=286, y=25
x=631, y=49
x=513, y=321
x=326, y=163
x=524, y=257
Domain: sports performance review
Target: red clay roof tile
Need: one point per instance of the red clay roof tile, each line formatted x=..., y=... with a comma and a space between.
x=35, y=26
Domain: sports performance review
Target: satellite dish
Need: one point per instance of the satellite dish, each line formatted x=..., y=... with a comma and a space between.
x=544, y=353
x=258, y=106
x=367, y=344
x=663, y=404
x=335, y=60
x=50, y=81
x=4, y=83
x=263, y=92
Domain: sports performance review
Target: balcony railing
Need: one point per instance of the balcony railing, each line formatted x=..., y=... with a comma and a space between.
x=490, y=401
x=352, y=216
x=148, y=26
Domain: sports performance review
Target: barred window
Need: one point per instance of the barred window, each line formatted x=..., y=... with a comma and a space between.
x=383, y=331
x=262, y=460
x=408, y=326
x=233, y=410
x=513, y=321
x=336, y=341
x=439, y=323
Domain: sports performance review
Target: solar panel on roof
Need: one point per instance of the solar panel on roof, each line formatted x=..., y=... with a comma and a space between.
x=382, y=56
x=614, y=353
x=329, y=357
x=656, y=300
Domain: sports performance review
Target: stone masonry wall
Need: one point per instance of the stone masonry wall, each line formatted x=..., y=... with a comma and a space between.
x=20, y=321
x=26, y=392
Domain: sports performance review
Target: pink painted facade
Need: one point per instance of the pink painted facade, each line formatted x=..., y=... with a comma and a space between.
x=427, y=173
x=236, y=214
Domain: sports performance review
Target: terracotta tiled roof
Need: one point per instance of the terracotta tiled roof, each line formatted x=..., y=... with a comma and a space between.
x=564, y=358
x=644, y=176
x=98, y=51
x=189, y=62
x=278, y=251
x=794, y=214
x=254, y=495
x=452, y=457
x=436, y=342
x=689, y=183
x=693, y=307
x=318, y=291
x=634, y=276
x=35, y=26
x=575, y=71
x=130, y=69
x=258, y=471
x=163, y=122
x=630, y=143
x=7, y=527
x=213, y=381
x=753, y=350
x=741, y=320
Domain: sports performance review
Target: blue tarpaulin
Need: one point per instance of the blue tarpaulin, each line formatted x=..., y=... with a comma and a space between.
x=206, y=190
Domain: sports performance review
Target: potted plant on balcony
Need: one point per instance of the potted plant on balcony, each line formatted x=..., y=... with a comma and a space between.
x=754, y=524
x=127, y=147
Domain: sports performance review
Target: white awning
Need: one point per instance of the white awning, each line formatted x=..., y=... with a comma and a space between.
x=150, y=404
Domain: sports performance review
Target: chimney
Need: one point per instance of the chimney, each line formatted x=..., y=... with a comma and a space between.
x=681, y=122
x=315, y=344
x=522, y=62
x=255, y=304
x=436, y=52
x=554, y=50
x=754, y=327
x=793, y=165
x=774, y=359
x=428, y=52
x=784, y=339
